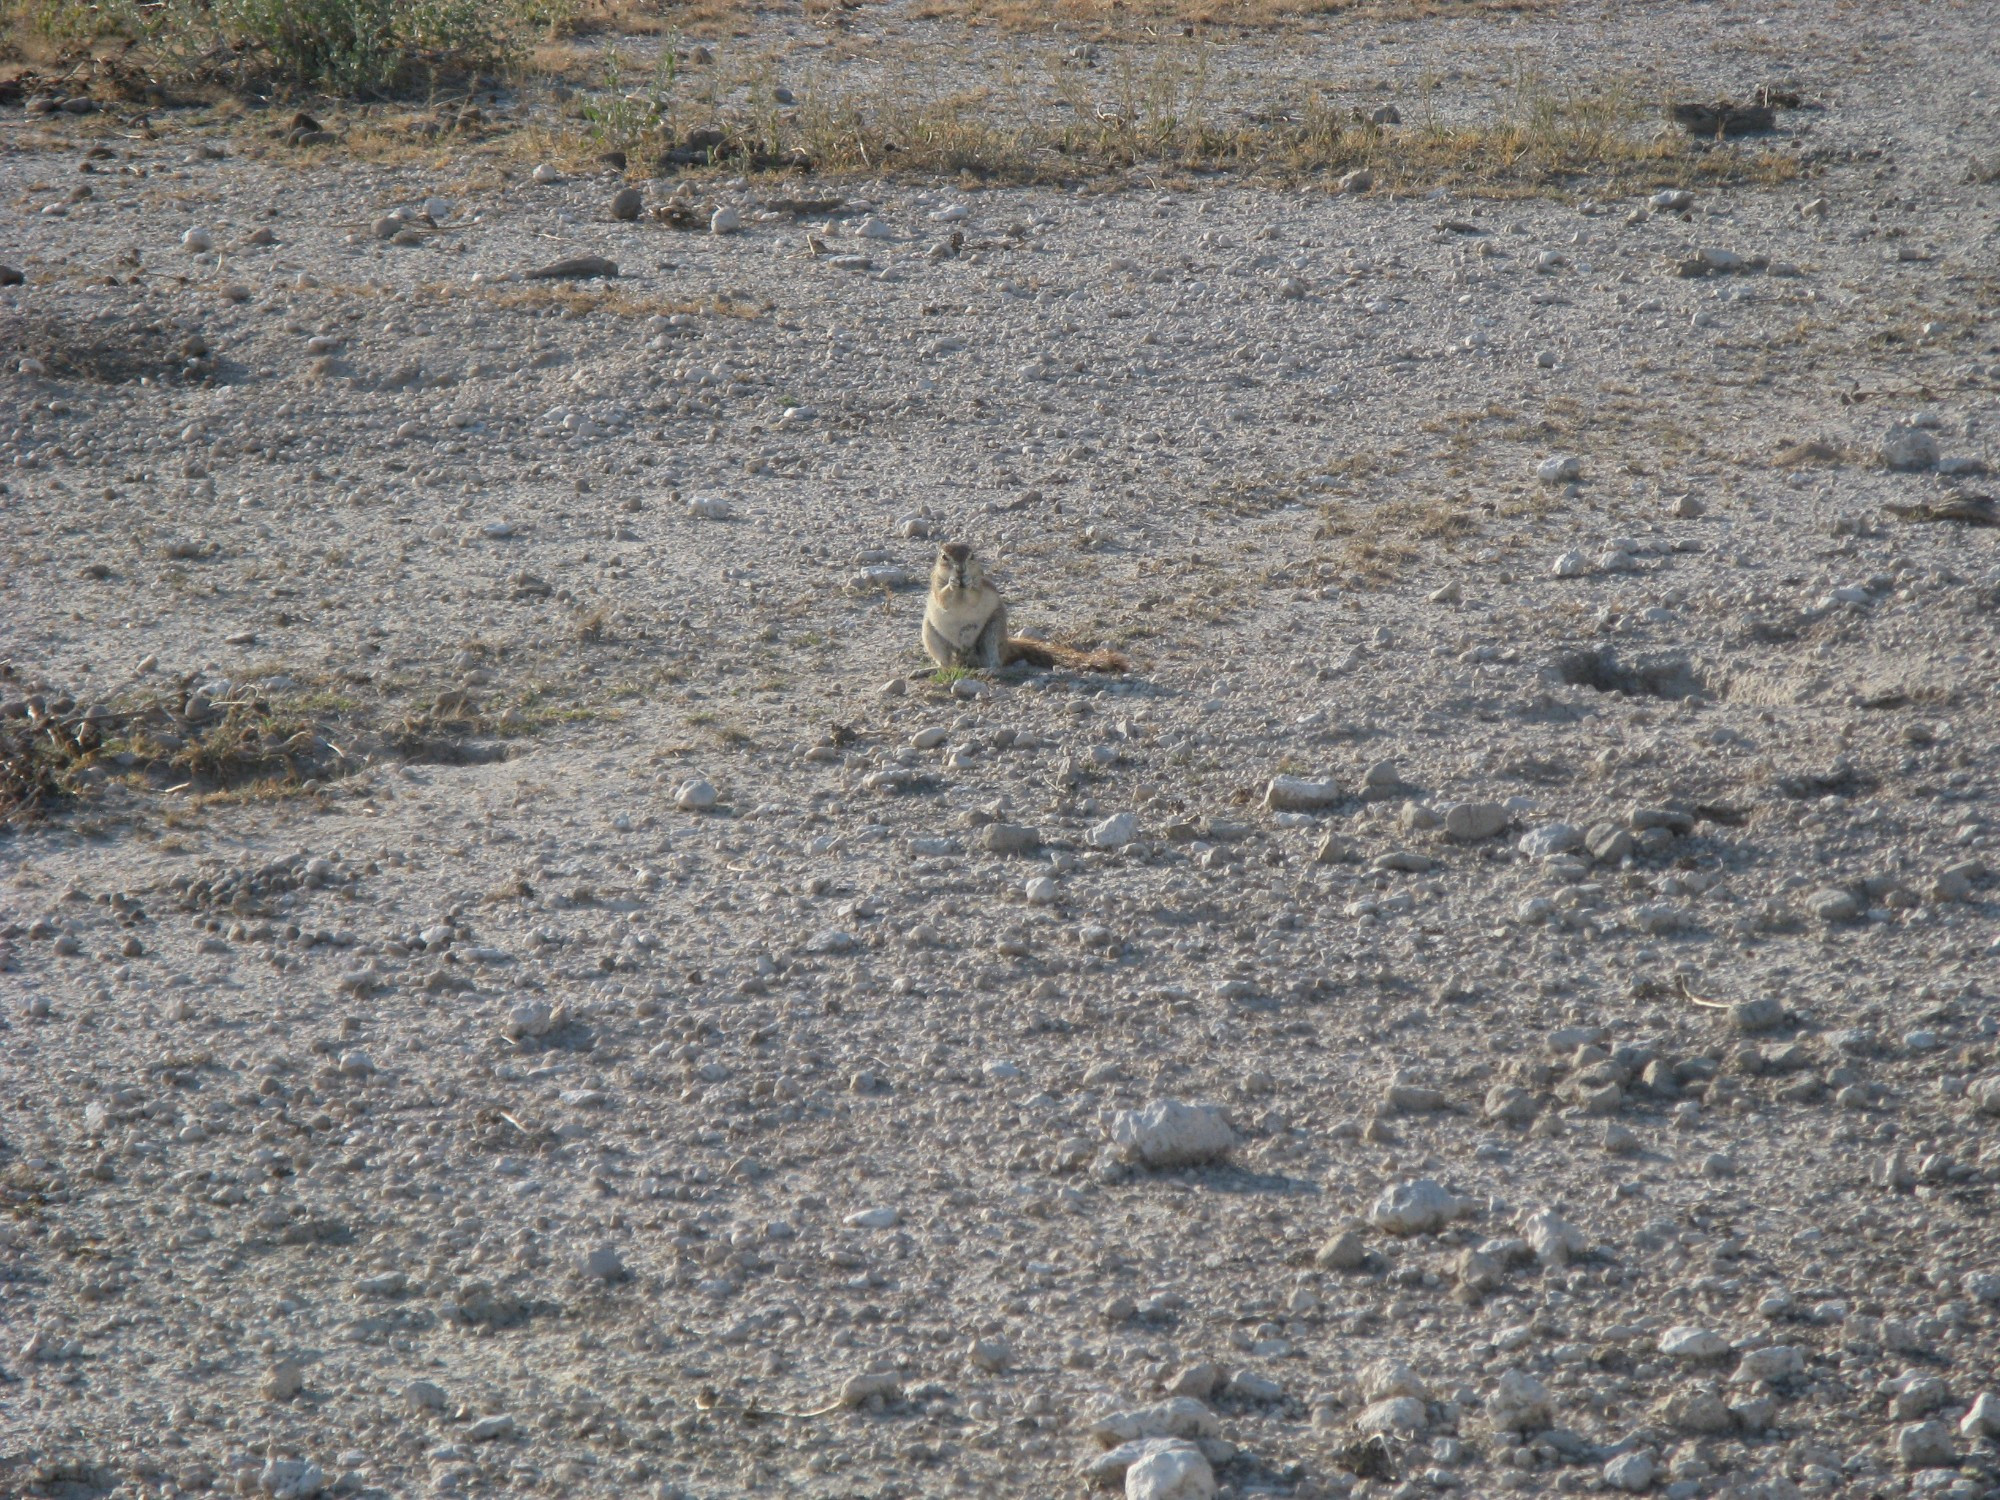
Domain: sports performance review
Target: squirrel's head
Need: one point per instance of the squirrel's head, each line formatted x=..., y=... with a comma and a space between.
x=956, y=568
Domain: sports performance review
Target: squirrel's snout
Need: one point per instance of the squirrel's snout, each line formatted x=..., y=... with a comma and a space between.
x=955, y=565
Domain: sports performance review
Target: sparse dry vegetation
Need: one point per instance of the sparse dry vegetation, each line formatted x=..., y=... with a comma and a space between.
x=1380, y=541
x=1160, y=110
x=58, y=751
x=1143, y=102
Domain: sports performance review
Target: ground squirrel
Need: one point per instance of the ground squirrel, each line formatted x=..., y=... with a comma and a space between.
x=965, y=623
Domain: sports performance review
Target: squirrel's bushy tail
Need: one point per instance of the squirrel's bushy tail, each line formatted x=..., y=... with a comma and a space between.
x=1034, y=653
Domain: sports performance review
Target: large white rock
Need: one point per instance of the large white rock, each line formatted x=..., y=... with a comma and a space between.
x=1908, y=450
x=1983, y=1420
x=993, y=1355
x=530, y=1019
x=1114, y=832
x=1631, y=1472
x=1775, y=1362
x=1551, y=839
x=1469, y=822
x=1297, y=794
x=1685, y=1341
x=285, y=1381
x=291, y=1479
x=1388, y=1378
x=1248, y=1385
x=1420, y=1207
x=1177, y=1417
x=877, y=579
x=1107, y=1470
x=1168, y=1133
x=1172, y=1471
x=857, y=1390
x=1697, y=1412
x=1405, y=1414
x=1553, y=1239
x=1925, y=1445
x=1519, y=1403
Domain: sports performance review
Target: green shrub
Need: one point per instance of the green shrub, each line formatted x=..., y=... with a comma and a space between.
x=74, y=23
x=366, y=46
x=625, y=117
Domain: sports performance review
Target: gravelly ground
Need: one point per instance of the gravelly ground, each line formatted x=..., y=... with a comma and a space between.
x=324, y=1108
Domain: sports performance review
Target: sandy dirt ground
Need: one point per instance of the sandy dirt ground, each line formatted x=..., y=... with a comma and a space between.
x=526, y=981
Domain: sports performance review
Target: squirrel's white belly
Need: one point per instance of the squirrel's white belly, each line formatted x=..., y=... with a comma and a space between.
x=961, y=619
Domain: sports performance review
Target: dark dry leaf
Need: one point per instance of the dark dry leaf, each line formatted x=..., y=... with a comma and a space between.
x=1973, y=510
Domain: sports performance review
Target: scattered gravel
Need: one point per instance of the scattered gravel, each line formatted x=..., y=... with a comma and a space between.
x=541, y=989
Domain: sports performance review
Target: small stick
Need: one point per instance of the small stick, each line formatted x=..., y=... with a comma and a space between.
x=1681, y=987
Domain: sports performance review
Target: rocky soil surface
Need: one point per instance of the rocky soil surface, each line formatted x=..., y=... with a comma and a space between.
x=536, y=987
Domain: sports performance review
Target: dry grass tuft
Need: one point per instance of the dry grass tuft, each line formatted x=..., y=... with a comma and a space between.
x=39, y=762
x=581, y=301
x=248, y=748
x=1377, y=542
x=590, y=18
x=57, y=752
x=1809, y=451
